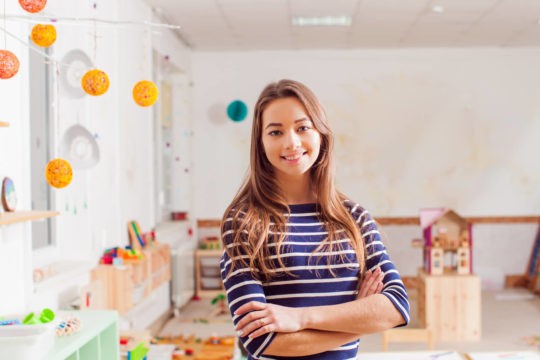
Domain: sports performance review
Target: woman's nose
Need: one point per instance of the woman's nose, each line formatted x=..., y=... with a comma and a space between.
x=292, y=140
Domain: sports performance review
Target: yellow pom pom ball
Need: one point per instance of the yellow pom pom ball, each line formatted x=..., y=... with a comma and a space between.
x=95, y=82
x=145, y=93
x=58, y=173
x=43, y=35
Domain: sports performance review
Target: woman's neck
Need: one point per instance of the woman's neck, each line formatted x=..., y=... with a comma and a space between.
x=297, y=190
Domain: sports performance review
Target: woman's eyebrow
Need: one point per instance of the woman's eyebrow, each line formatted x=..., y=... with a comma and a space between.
x=280, y=124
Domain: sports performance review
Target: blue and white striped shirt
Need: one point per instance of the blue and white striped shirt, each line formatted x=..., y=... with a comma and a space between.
x=312, y=283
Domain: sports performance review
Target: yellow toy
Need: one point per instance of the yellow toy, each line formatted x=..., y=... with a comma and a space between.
x=58, y=173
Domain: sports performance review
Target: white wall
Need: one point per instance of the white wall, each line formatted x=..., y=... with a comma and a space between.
x=414, y=128
x=120, y=187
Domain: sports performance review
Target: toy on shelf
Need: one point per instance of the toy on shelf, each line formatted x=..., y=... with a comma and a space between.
x=220, y=303
x=210, y=243
x=68, y=326
x=447, y=242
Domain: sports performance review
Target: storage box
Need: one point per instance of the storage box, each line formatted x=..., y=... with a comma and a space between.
x=23, y=342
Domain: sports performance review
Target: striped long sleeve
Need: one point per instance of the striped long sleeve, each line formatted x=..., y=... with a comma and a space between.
x=377, y=256
x=242, y=288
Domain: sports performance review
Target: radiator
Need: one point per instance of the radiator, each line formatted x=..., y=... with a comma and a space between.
x=175, y=233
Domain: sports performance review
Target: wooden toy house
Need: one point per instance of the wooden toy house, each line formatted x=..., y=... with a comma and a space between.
x=447, y=242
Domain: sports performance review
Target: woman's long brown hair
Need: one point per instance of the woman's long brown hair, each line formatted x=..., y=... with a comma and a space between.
x=259, y=202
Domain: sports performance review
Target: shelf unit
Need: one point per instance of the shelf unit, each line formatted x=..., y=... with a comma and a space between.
x=7, y=218
x=96, y=340
x=4, y=124
x=450, y=306
x=207, y=273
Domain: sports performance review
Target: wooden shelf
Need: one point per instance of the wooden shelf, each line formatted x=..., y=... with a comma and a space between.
x=4, y=124
x=473, y=219
x=7, y=218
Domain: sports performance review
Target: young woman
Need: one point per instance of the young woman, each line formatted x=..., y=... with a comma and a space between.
x=304, y=267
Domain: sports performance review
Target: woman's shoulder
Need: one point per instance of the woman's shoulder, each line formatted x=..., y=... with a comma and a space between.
x=358, y=212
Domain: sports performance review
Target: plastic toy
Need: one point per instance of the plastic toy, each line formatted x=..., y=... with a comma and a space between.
x=46, y=316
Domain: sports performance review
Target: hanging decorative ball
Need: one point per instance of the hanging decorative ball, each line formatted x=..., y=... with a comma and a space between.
x=58, y=173
x=43, y=35
x=33, y=6
x=9, y=64
x=237, y=110
x=145, y=93
x=95, y=82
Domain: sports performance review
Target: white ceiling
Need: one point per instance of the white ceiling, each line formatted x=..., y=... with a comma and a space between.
x=266, y=24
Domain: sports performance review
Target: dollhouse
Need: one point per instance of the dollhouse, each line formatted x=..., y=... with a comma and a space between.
x=447, y=242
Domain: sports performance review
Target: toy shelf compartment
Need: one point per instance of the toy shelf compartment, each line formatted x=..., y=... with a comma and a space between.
x=128, y=285
x=96, y=340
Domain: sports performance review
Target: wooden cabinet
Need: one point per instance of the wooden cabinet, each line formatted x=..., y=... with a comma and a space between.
x=450, y=306
x=207, y=273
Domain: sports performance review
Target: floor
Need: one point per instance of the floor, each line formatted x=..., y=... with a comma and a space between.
x=509, y=317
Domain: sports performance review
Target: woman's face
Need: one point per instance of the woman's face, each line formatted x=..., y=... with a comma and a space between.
x=289, y=138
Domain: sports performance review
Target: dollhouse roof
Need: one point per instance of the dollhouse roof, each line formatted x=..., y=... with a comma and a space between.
x=429, y=216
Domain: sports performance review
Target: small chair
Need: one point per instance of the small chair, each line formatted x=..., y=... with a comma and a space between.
x=407, y=336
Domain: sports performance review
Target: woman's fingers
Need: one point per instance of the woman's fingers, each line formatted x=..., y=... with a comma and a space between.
x=372, y=283
x=257, y=327
x=252, y=317
x=250, y=306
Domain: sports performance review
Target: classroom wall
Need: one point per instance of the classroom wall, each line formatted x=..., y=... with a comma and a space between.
x=95, y=207
x=414, y=128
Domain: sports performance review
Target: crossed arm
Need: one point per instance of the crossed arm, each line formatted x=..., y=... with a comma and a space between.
x=312, y=330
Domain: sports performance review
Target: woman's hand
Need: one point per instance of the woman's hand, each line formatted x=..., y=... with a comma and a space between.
x=265, y=318
x=372, y=283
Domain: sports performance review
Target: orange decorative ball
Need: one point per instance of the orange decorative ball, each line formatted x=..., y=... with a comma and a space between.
x=58, y=173
x=95, y=82
x=145, y=93
x=33, y=6
x=9, y=64
x=43, y=35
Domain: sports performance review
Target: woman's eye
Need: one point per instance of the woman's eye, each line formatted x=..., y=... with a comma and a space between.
x=303, y=128
x=274, y=133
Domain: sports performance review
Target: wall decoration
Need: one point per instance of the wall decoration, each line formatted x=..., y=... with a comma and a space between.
x=145, y=93
x=95, y=82
x=59, y=173
x=9, y=64
x=43, y=35
x=237, y=110
x=9, y=197
x=72, y=68
x=33, y=6
x=79, y=147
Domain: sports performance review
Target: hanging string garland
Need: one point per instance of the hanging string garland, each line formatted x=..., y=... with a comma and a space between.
x=59, y=173
x=9, y=64
x=145, y=93
x=95, y=82
x=33, y=6
x=43, y=35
